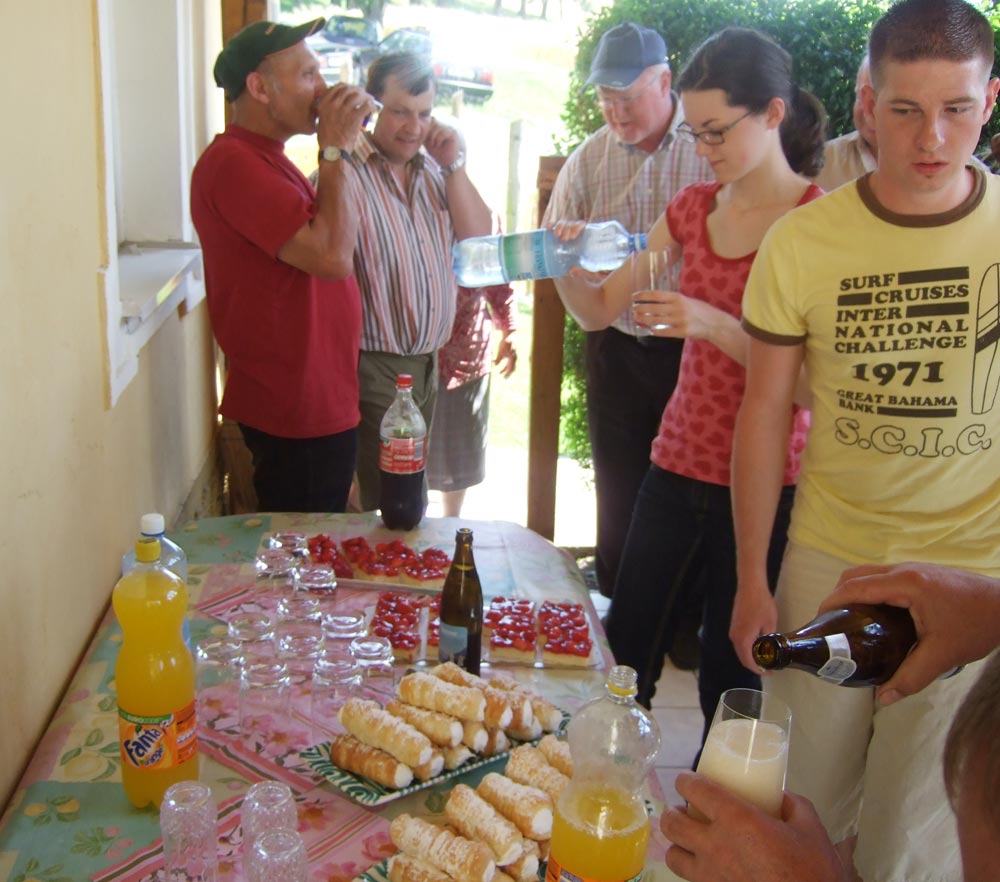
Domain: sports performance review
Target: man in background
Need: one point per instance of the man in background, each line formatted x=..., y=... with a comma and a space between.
x=283, y=302
x=416, y=201
x=856, y=153
x=628, y=171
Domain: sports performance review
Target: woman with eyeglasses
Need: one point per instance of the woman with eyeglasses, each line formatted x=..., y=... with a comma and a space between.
x=762, y=136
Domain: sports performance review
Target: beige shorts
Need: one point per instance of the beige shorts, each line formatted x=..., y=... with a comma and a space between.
x=871, y=770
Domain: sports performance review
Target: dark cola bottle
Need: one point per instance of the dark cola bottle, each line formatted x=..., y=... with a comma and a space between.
x=461, y=637
x=858, y=645
x=402, y=460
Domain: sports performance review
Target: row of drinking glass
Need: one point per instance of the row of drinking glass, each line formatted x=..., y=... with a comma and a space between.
x=273, y=850
x=261, y=665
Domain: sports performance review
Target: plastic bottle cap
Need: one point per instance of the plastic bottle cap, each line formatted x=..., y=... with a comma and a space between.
x=147, y=549
x=404, y=381
x=152, y=524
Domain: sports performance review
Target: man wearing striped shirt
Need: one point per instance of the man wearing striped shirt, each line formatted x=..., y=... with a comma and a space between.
x=415, y=201
x=628, y=171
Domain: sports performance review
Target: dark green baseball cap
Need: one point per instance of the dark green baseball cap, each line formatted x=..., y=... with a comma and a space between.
x=246, y=50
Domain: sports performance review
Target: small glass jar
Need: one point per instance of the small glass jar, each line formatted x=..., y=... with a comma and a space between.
x=374, y=655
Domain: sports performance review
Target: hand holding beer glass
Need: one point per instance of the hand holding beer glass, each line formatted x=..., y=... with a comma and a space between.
x=650, y=272
x=747, y=748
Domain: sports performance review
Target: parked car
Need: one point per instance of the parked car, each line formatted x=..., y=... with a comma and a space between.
x=345, y=45
x=454, y=65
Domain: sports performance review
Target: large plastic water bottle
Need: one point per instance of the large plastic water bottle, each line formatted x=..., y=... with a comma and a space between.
x=172, y=556
x=493, y=260
x=600, y=827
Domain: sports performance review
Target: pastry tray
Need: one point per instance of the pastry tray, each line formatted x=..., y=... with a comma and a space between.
x=367, y=792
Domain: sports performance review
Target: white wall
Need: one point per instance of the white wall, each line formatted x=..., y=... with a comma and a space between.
x=75, y=474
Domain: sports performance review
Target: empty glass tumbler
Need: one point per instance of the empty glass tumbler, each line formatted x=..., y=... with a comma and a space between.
x=336, y=678
x=268, y=806
x=188, y=818
x=374, y=655
x=277, y=856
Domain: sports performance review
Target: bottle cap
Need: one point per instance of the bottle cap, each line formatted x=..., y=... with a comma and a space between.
x=147, y=549
x=152, y=524
x=639, y=242
x=404, y=381
x=622, y=680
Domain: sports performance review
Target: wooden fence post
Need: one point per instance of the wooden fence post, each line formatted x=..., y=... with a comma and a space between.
x=546, y=380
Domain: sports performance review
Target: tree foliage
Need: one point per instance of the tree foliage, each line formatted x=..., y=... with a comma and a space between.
x=826, y=39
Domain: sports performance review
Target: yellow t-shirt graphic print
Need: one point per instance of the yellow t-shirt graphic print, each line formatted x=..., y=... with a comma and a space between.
x=899, y=317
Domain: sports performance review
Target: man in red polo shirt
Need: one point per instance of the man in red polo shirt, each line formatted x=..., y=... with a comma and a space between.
x=278, y=253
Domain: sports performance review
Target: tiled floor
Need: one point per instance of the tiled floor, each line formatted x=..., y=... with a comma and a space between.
x=678, y=714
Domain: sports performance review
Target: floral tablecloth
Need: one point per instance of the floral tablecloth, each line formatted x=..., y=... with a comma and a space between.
x=69, y=818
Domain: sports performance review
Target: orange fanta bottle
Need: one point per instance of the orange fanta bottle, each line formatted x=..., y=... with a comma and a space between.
x=154, y=679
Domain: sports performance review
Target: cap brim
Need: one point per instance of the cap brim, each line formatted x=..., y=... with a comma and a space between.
x=614, y=77
x=295, y=35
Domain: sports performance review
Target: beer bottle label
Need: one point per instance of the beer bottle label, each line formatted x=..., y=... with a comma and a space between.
x=402, y=456
x=453, y=645
x=158, y=742
x=840, y=665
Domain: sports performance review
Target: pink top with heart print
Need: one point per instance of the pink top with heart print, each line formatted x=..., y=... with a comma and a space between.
x=696, y=431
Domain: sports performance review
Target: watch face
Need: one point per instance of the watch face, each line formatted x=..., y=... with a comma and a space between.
x=331, y=154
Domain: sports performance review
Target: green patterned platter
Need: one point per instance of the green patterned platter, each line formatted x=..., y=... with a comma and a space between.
x=368, y=792
x=376, y=873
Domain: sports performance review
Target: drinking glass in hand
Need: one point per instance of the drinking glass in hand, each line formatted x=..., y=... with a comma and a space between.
x=650, y=272
x=747, y=747
x=190, y=840
x=277, y=856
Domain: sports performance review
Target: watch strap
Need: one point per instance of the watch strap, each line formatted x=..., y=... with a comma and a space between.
x=334, y=154
x=458, y=163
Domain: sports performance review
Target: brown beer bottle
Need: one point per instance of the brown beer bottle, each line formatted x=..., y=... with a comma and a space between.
x=858, y=645
x=462, y=608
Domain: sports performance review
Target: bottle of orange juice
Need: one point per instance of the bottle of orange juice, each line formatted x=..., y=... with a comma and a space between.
x=154, y=679
x=600, y=828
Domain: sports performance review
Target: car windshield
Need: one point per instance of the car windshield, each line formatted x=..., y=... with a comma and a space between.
x=351, y=27
x=408, y=41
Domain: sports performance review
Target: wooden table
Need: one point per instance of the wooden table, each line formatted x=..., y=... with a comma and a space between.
x=69, y=818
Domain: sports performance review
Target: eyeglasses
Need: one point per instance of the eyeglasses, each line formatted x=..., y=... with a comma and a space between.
x=606, y=101
x=711, y=137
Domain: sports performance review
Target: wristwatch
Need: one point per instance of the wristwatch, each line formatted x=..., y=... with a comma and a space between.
x=458, y=163
x=334, y=154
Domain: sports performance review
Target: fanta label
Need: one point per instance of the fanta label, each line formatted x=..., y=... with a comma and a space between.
x=160, y=742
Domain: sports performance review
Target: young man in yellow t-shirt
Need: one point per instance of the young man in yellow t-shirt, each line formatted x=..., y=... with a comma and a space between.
x=888, y=291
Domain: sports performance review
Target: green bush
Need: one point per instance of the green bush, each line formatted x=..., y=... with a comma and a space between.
x=826, y=38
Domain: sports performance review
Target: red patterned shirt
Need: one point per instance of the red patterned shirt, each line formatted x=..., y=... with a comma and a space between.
x=696, y=431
